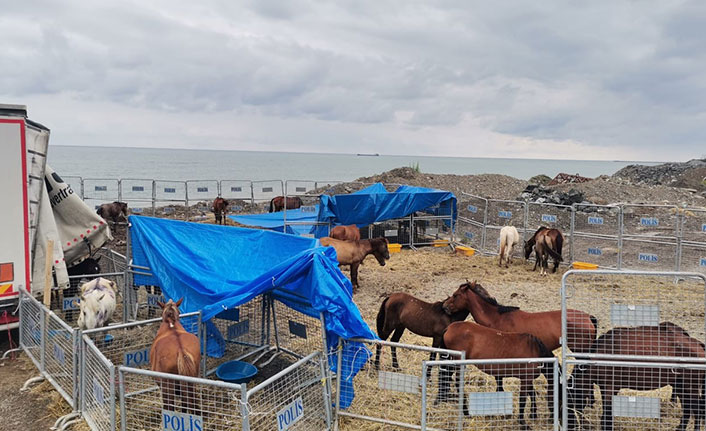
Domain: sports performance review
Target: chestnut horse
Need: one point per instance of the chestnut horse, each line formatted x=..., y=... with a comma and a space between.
x=175, y=351
x=667, y=339
x=346, y=233
x=545, y=242
x=113, y=211
x=480, y=342
x=277, y=203
x=582, y=327
x=354, y=252
x=401, y=311
x=220, y=207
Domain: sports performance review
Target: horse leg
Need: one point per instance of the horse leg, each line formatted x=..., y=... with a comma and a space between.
x=396, y=338
x=383, y=333
x=501, y=254
x=354, y=276
x=607, y=417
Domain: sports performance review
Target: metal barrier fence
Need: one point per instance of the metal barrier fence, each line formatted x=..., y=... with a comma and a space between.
x=633, y=395
x=104, y=349
x=383, y=393
x=495, y=394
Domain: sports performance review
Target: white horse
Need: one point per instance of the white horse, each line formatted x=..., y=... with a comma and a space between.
x=508, y=238
x=97, y=303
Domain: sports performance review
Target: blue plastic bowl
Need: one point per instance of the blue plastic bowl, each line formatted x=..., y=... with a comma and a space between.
x=236, y=371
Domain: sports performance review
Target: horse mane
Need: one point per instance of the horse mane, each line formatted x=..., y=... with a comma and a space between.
x=480, y=291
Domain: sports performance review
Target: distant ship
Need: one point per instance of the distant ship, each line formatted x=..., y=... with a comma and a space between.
x=369, y=155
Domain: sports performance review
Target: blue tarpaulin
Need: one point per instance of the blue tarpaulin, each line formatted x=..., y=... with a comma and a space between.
x=215, y=268
x=275, y=221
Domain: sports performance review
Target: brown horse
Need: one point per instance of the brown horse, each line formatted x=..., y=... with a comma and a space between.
x=480, y=342
x=346, y=233
x=545, y=242
x=667, y=339
x=582, y=328
x=113, y=211
x=220, y=207
x=277, y=203
x=175, y=351
x=401, y=311
x=354, y=252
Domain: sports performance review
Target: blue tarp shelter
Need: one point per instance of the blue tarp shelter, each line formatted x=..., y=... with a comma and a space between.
x=369, y=205
x=215, y=268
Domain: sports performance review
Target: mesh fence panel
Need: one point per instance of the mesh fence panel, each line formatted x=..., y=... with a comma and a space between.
x=296, y=332
x=76, y=184
x=31, y=328
x=604, y=395
x=97, y=388
x=97, y=191
x=502, y=213
x=693, y=257
x=496, y=394
x=138, y=193
x=650, y=220
x=389, y=394
x=266, y=190
x=236, y=190
x=297, y=398
x=166, y=402
x=60, y=365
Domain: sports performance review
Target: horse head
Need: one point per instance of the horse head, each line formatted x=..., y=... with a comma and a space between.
x=122, y=208
x=380, y=250
x=528, y=246
x=170, y=312
x=458, y=300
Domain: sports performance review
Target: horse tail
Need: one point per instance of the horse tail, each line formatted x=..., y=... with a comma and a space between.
x=559, y=243
x=272, y=205
x=594, y=320
x=381, y=316
x=553, y=253
x=186, y=365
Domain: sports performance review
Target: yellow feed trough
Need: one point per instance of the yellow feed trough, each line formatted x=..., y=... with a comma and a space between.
x=394, y=248
x=441, y=243
x=466, y=251
x=584, y=265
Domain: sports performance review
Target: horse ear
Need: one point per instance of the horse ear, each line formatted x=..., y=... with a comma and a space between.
x=161, y=304
x=178, y=303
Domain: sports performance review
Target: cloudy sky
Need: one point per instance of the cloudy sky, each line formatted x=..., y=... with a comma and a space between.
x=548, y=79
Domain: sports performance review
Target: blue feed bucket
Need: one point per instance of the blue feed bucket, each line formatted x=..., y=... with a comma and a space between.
x=236, y=371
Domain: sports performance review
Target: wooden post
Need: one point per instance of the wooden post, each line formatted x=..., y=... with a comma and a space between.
x=48, y=265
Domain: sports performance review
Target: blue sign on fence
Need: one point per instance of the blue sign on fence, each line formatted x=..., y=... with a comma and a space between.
x=472, y=208
x=469, y=235
x=267, y=190
x=703, y=227
x=647, y=257
x=594, y=251
x=649, y=221
x=169, y=190
x=298, y=329
x=290, y=414
x=101, y=188
x=136, y=210
x=138, y=188
x=505, y=214
x=549, y=218
x=703, y=261
x=308, y=209
x=239, y=329
x=595, y=220
x=137, y=357
x=98, y=393
x=59, y=354
x=70, y=303
x=201, y=189
x=236, y=189
x=152, y=300
x=173, y=421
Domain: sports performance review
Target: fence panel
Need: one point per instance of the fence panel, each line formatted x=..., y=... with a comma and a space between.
x=60, y=357
x=600, y=250
x=693, y=257
x=139, y=194
x=470, y=224
x=298, y=221
x=237, y=190
x=428, y=230
x=597, y=220
x=496, y=394
x=295, y=332
x=245, y=331
x=264, y=191
x=168, y=402
x=649, y=254
x=694, y=225
x=383, y=394
x=97, y=387
x=602, y=395
x=650, y=220
x=397, y=231
x=502, y=213
x=32, y=328
x=296, y=398
x=97, y=191
x=76, y=184
x=619, y=299
x=170, y=199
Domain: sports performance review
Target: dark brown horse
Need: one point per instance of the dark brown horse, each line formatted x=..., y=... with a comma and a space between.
x=277, y=203
x=401, y=311
x=480, y=342
x=582, y=327
x=220, y=207
x=346, y=233
x=113, y=211
x=354, y=252
x=175, y=351
x=667, y=339
x=545, y=242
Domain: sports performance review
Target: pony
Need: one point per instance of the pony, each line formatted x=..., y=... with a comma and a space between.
x=480, y=342
x=175, y=351
x=400, y=311
x=97, y=303
x=277, y=203
x=113, y=211
x=220, y=207
x=354, y=252
x=86, y=268
x=508, y=238
x=582, y=328
x=667, y=339
x=346, y=233
x=545, y=242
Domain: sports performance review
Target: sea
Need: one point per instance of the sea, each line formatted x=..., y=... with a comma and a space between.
x=182, y=165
